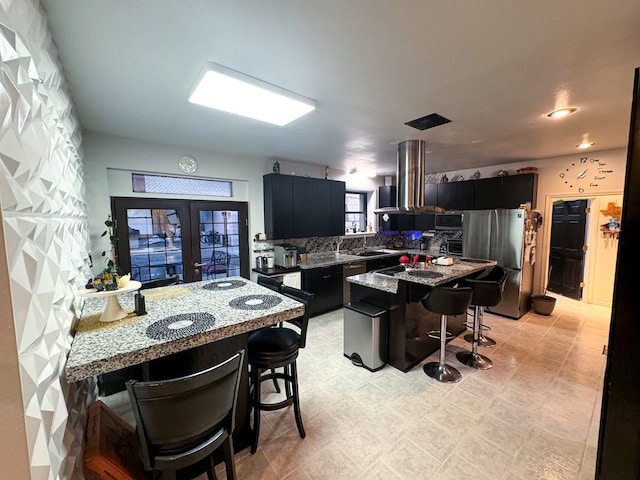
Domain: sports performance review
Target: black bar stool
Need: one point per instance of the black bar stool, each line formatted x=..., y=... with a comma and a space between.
x=445, y=301
x=271, y=348
x=487, y=292
x=488, y=275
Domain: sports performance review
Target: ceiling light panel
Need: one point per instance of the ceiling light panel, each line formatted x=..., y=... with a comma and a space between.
x=230, y=91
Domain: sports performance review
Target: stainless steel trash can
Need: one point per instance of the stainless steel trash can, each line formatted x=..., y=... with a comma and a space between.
x=365, y=335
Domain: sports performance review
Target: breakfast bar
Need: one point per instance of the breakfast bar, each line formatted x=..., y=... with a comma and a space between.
x=399, y=291
x=187, y=328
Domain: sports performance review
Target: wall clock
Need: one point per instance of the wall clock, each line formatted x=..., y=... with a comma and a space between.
x=576, y=174
x=188, y=164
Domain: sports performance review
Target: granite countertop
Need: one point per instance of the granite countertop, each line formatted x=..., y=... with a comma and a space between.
x=386, y=283
x=318, y=260
x=201, y=312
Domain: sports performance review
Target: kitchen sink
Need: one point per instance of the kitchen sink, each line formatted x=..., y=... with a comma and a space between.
x=371, y=254
x=391, y=271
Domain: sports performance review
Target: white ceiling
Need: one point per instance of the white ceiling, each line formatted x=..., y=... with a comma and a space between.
x=494, y=67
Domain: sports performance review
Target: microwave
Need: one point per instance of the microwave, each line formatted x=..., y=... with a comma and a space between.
x=449, y=221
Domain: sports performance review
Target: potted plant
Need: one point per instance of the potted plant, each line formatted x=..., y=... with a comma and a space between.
x=544, y=304
x=109, y=275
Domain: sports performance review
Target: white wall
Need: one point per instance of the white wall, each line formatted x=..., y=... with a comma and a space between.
x=552, y=186
x=45, y=241
x=109, y=162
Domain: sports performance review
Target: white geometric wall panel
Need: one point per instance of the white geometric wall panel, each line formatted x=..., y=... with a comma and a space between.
x=42, y=198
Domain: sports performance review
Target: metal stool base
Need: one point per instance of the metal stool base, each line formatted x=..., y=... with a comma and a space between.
x=483, y=341
x=443, y=373
x=474, y=360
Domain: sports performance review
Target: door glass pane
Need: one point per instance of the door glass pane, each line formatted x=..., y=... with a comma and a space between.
x=219, y=243
x=155, y=244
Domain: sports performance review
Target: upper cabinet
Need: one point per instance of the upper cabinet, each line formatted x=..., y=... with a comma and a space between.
x=397, y=221
x=485, y=193
x=456, y=195
x=519, y=189
x=299, y=207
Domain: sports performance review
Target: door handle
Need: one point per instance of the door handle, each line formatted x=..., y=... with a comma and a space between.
x=196, y=266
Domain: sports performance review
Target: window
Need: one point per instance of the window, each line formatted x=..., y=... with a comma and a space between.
x=143, y=183
x=355, y=211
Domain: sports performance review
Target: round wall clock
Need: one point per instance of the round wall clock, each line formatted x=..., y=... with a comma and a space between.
x=574, y=175
x=188, y=164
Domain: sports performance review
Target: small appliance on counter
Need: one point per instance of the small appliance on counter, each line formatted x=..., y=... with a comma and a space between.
x=285, y=255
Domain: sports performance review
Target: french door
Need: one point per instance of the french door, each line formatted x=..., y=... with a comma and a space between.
x=194, y=239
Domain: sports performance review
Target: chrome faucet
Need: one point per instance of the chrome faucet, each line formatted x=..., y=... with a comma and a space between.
x=338, y=242
x=364, y=243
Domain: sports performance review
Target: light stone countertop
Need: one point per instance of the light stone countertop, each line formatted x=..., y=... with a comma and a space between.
x=387, y=283
x=99, y=348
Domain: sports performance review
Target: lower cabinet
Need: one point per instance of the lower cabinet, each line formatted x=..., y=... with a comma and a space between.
x=326, y=284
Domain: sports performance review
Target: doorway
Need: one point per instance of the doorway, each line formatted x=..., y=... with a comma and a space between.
x=191, y=239
x=566, y=252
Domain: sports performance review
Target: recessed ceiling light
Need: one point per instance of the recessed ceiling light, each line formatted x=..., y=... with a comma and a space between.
x=562, y=112
x=585, y=143
x=230, y=91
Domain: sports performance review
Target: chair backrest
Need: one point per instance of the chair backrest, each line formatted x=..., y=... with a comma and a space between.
x=220, y=257
x=448, y=300
x=163, y=282
x=301, y=322
x=270, y=283
x=179, y=417
x=488, y=288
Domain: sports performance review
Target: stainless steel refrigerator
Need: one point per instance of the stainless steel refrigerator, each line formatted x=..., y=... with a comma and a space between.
x=507, y=236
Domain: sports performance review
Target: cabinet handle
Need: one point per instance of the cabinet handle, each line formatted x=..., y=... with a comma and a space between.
x=326, y=276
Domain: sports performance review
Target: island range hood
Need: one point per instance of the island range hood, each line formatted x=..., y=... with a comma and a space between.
x=410, y=180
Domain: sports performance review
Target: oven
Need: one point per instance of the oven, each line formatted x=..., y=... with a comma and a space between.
x=454, y=246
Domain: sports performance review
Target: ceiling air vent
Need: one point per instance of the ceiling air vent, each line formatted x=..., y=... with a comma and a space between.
x=429, y=121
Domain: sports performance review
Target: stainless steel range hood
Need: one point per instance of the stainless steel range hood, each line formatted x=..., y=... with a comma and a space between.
x=410, y=180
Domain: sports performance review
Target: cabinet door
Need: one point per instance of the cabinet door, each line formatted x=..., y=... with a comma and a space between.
x=488, y=193
x=456, y=195
x=278, y=206
x=425, y=221
x=333, y=284
x=405, y=222
x=431, y=194
x=387, y=198
x=336, y=226
x=312, y=282
x=519, y=189
x=311, y=207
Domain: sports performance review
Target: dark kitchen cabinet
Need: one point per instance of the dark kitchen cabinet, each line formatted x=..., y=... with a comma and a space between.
x=300, y=207
x=519, y=189
x=424, y=221
x=431, y=194
x=336, y=223
x=488, y=193
x=278, y=206
x=326, y=284
x=456, y=195
x=397, y=221
x=311, y=207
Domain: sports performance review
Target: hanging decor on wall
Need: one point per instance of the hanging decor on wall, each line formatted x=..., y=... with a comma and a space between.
x=613, y=213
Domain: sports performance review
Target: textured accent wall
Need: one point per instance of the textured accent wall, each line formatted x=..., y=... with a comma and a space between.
x=45, y=235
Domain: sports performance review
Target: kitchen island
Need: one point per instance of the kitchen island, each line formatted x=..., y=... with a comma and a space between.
x=400, y=294
x=187, y=328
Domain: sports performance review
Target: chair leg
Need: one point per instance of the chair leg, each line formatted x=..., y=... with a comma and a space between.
x=255, y=373
x=296, y=400
x=275, y=381
x=229, y=458
x=211, y=469
x=440, y=371
x=473, y=359
x=287, y=384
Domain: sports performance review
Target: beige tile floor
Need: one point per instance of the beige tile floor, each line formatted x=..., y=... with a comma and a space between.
x=535, y=415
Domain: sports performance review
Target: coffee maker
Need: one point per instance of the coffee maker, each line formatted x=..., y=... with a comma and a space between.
x=285, y=255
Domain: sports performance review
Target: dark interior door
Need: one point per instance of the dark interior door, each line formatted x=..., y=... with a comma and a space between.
x=619, y=442
x=566, y=256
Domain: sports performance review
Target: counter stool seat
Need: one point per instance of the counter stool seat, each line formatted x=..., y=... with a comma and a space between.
x=487, y=292
x=271, y=348
x=445, y=301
